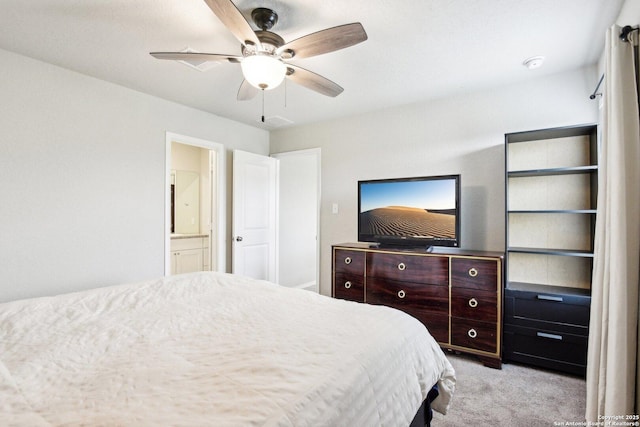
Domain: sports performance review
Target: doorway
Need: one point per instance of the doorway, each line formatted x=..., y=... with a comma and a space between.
x=299, y=219
x=211, y=225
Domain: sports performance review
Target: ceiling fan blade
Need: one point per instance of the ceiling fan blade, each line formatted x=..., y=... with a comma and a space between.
x=193, y=56
x=233, y=19
x=325, y=41
x=247, y=91
x=313, y=81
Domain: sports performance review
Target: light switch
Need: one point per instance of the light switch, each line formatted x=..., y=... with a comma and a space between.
x=334, y=208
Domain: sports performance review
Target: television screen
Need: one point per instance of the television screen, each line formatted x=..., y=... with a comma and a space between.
x=421, y=211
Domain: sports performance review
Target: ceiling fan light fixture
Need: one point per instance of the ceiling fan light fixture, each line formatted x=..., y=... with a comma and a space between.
x=265, y=72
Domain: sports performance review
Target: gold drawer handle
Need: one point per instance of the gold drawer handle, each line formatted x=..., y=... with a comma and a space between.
x=472, y=333
x=473, y=303
x=401, y=266
x=347, y=285
x=473, y=272
x=347, y=260
x=401, y=294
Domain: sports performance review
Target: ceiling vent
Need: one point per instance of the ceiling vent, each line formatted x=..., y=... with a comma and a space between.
x=276, y=121
x=197, y=64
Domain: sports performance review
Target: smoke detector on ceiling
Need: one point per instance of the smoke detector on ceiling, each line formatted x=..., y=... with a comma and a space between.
x=533, y=62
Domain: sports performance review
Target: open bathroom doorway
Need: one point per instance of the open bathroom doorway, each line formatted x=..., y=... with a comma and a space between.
x=195, y=218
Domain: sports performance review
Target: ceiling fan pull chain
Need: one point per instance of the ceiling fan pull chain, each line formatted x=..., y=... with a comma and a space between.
x=262, y=105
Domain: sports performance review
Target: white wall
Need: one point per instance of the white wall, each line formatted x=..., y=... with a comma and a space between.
x=629, y=14
x=82, y=177
x=462, y=134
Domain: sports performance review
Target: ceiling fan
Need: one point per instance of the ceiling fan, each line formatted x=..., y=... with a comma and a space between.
x=265, y=55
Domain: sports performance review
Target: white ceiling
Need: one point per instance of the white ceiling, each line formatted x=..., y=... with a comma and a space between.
x=417, y=49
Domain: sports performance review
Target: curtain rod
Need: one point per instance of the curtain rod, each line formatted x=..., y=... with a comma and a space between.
x=624, y=36
x=626, y=30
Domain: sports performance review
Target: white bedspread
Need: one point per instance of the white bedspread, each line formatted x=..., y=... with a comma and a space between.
x=211, y=349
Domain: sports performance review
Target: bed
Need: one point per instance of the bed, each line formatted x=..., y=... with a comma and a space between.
x=212, y=349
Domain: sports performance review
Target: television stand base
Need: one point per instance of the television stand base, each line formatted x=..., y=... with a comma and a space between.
x=427, y=249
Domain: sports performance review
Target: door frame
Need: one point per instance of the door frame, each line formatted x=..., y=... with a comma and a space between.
x=217, y=249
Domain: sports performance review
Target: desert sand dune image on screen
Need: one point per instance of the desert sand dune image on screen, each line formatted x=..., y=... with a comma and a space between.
x=407, y=221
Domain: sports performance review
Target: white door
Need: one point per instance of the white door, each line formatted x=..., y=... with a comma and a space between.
x=254, y=231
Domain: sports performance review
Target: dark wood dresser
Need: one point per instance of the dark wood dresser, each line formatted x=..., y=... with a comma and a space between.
x=457, y=294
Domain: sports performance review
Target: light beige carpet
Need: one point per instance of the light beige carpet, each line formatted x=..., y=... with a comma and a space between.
x=516, y=395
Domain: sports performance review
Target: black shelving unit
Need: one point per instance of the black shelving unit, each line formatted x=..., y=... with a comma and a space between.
x=549, y=245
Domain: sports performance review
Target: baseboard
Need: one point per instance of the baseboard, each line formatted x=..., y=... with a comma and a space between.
x=309, y=286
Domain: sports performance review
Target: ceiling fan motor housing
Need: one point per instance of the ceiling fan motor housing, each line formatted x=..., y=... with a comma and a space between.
x=269, y=41
x=264, y=18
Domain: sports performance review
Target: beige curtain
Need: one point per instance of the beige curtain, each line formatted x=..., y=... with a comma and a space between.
x=612, y=374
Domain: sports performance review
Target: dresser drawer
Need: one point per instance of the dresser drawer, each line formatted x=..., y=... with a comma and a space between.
x=546, y=348
x=406, y=295
x=474, y=273
x=347, y=261
x=526, y=308
x=433, y=270
x=427, y=303
x=472, y=304
x=350, y=287
x=436, y=323
x=474, y=334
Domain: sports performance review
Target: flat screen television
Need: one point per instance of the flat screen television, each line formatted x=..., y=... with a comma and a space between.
x=417, y=212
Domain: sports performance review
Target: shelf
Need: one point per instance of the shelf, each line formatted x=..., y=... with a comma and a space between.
x=548, y=289
x=554, y=133
x=551, y=251
x=552, y=211
x=553, y=171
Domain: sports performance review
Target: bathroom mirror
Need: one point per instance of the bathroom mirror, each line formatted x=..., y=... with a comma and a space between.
x=185, y=197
